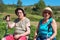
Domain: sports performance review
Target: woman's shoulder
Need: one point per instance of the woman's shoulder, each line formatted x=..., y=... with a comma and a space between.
x=53, y=20
x=27, y=19
x=40, y=21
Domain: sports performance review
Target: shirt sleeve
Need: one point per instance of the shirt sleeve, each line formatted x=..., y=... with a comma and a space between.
x=28, y=22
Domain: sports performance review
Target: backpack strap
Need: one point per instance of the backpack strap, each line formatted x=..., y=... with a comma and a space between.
x=49, y=23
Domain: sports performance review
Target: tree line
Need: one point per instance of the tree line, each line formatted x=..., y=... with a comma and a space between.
x=35, y=9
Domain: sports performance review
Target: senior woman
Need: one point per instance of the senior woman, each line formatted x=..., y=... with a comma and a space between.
x=47, y=27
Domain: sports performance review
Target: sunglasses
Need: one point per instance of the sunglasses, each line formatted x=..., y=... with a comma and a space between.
x=46, y=11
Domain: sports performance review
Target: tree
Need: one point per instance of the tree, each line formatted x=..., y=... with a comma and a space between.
x=1, y=6
x=40, y=5
x=19, y=3
x=1, y=2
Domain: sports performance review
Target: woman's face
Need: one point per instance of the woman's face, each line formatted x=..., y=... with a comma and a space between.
x=20, y=14
x=46, y=15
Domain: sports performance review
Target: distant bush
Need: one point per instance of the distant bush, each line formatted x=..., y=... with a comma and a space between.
x=58, y=20
x=31, y=36
x=3, y=28
x=2, y=8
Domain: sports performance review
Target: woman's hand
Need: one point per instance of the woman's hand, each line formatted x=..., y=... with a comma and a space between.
x=16, y=36
x=34, y=38
x=48, y=39
x=8, y=18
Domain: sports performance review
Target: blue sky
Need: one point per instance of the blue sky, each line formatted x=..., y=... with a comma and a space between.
x=31, y=2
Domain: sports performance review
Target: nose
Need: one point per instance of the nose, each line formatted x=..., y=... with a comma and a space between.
x=46, y=14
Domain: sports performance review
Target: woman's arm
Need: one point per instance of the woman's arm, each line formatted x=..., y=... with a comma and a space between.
x=54, y=26
x=10, y=24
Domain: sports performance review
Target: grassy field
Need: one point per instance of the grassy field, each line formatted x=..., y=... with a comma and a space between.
x=34, y=21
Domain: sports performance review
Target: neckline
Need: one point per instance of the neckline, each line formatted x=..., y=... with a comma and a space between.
x=22, y=19
x=45, y=22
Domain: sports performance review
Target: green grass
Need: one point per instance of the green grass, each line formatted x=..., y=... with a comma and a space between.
x=58, y=34
x=9, y=11
x=34, y=17
x=58, y=20
x=32, y=32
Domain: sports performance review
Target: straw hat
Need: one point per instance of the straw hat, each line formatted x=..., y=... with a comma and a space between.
x=48, y=8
